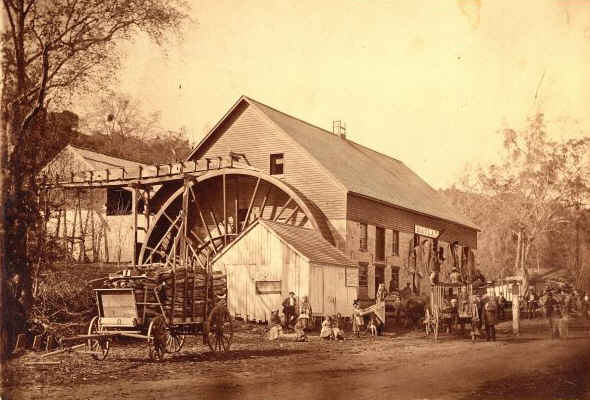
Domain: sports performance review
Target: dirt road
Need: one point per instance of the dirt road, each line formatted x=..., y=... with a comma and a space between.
x=408, y=366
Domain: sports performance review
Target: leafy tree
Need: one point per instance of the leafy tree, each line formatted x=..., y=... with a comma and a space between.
x=532, y=194
x=52, y=49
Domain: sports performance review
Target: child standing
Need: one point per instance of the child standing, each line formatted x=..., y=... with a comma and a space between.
x=357, y=319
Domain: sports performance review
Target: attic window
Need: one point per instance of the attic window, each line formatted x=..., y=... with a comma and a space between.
x=276, y=164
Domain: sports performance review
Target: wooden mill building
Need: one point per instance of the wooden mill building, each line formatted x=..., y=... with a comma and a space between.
x=369, y=207
x=281, y=205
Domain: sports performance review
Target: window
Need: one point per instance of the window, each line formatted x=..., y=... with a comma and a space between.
x=363, y=244
x=119, y=202
x=394, y=284
x=379, y=243
x=395, y=243
x=363, y=277
x=268, y=287
x=276, y=164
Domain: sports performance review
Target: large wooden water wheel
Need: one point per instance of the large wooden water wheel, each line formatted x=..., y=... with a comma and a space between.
x=220, y=205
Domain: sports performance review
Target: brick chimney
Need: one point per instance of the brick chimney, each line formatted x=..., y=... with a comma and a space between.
x=339, y=128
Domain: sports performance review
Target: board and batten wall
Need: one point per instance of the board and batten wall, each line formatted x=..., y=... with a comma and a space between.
x=260, y=256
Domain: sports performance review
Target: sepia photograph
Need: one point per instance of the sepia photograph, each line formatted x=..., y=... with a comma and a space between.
x=295, y=200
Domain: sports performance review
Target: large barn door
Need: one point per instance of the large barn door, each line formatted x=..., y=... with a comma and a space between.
x=316, y=295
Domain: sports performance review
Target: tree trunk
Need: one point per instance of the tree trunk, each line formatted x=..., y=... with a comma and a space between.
x=4, y=126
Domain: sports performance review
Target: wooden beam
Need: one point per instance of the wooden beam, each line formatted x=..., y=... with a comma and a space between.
x=164, y=236
x=264, y=200
x=236, y=206
x=291, y=214
x=283, y=209
x=215, y=222
x=251, y=203
x=192, y=232
x=170, y=219
x=134, y=205
x=185, y=196
x=224, y=210
x=202, y=217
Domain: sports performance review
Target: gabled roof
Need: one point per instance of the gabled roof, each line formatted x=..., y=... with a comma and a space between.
x=308, y=243
x=359, y=169
x=88, y=160
x=99, y=161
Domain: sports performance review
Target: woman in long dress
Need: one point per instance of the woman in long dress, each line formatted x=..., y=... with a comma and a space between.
x=305, y=314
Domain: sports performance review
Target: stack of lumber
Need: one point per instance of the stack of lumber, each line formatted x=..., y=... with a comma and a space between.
x=183, y=294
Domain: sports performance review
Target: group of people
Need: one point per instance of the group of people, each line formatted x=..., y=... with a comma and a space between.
x=560, y=305
x=297, y=318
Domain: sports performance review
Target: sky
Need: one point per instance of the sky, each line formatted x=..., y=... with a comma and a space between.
x=427, y=82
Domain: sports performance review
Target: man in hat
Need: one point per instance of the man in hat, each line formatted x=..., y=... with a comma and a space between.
x=551, y=309
x=289, y=307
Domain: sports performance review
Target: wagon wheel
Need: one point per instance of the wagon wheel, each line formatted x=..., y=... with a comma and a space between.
x=99, y=346
x=157, y=337
x=174, y=343
x=219, y=329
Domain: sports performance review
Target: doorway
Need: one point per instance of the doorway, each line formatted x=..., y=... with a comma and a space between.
x=379, y=276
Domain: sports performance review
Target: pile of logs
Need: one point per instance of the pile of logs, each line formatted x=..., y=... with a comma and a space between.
x=183, y=294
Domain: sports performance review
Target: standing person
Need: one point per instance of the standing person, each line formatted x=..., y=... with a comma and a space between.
x=491, y=317
x=531, y=304
x=551, y=310
x=566, y=309
x=305, y=314
x=586, y=306
x=501, y=305
x=15, y=316
x=289, y=307
x=381, y=293
x=357, y=319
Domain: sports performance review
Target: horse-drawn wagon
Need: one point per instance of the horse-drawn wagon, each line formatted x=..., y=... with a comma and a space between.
x=161, y=303
x=450, y=304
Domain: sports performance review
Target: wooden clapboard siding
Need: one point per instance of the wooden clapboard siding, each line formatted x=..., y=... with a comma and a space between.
x=328, y=292
x=361, y=209
x=261, y=256
x=245, y=131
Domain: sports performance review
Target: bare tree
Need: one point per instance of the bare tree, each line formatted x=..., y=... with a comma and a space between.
x=53, y=48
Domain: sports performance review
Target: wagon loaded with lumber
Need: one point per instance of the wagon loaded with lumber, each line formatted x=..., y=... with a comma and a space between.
x=161, y=303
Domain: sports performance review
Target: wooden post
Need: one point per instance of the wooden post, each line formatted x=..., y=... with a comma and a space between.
x=515, y=310
x=224, y=211
x=134, y=209
x=146, y=209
